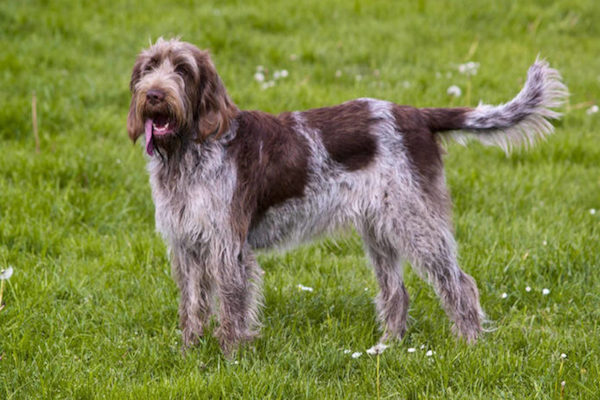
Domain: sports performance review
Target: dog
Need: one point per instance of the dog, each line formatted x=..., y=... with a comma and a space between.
x=226, y=182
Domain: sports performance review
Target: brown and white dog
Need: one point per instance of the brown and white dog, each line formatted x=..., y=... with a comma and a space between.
x=226, y=181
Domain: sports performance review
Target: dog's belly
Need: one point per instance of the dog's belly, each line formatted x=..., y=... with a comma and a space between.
x=326, y=207
x=284, y=225
x=289, y=224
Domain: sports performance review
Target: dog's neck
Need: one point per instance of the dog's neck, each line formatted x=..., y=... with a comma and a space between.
x=189, y=159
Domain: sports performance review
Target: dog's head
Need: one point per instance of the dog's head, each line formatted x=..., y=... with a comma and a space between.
x=176, y=95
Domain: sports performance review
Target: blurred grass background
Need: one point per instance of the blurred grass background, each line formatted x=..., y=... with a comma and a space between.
x=91, y=311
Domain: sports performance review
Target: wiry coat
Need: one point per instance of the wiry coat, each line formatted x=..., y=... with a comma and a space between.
x=225, y=182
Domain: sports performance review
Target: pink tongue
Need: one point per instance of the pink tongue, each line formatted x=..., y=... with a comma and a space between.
x=149, y=144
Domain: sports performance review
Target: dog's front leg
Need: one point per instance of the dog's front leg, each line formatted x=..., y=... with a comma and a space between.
x=238, y=281
x=196, y=291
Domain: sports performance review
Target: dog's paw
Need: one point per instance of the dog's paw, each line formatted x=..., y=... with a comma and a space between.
x=190, y=338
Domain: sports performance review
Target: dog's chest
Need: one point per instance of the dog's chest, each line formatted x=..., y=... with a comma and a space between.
x=192, y=205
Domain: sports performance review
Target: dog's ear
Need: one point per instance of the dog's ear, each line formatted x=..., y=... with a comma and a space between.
x=213, y=109
x=135, y=126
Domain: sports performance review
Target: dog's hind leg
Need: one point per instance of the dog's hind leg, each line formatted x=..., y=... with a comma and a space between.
x=392, y=300
x=429, y=245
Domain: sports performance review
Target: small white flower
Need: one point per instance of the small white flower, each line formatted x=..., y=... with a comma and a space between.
x=454, y=91
x=267, y=85
x=545, y=291
x=280, y=74
x=563, y=383
x=563, y=355
x=347, y=351
x=593, y=211
x=592, y=110
x=259, y=77
x=422, y=347
x=504, y=295
x=411, y=349
x=528, y=289
x=366, y=289
x=338, y=73
x=470, y=68
x=6, y=274
x=357, y=354
x=305, y=288
x=544, y=243
x=429, y=353
x=377, y=349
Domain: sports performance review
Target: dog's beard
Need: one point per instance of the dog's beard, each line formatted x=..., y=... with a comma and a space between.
x=157, y=126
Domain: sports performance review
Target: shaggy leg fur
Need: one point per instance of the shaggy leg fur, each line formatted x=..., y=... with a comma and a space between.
x=392, y=301
x=195, y=291
x=434, y=256
x=405, y=226
x=239, y=284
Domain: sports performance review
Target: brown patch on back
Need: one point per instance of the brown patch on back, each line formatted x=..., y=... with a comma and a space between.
x=422, y=148
x=272, y=165
x=345, y=131
x=423, y=152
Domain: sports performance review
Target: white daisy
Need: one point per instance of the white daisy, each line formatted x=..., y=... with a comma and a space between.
x=377, y=349
x=267, y=85
x=6, y=274
x=454, y=91
x=470, y=68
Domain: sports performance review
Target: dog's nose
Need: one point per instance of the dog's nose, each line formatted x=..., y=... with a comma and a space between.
x=155, y=96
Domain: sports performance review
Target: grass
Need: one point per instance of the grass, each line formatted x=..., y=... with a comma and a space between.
x=91, y=310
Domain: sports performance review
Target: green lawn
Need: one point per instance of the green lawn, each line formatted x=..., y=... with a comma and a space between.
x=91, y=310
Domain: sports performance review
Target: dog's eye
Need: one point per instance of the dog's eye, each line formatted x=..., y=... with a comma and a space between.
x=181, y=70
x=150, y=65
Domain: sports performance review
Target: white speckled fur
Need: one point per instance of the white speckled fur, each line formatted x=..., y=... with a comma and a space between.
x=401, y=211
x=524, y=119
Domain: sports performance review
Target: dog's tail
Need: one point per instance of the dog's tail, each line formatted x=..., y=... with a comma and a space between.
x=519, y=122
